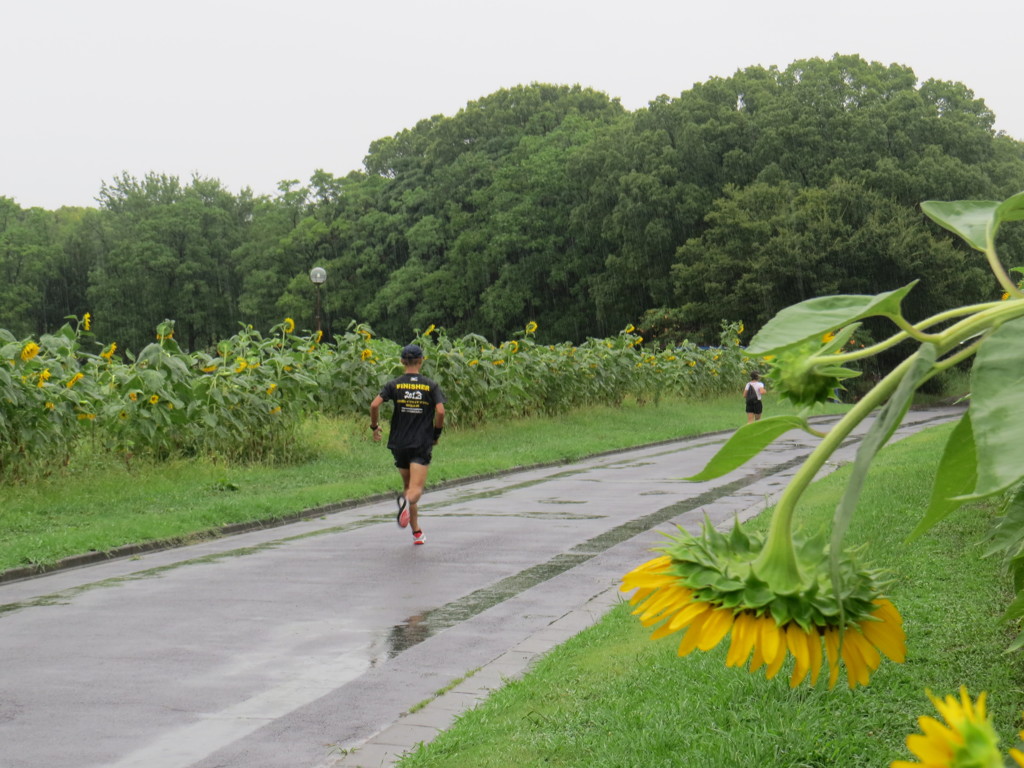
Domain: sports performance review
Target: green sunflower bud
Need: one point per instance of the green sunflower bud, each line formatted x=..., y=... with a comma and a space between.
x=803, y=377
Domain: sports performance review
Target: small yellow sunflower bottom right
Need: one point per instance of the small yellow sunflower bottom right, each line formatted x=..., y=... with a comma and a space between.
x=966, y=739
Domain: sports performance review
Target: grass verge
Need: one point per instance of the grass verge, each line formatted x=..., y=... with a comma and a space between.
x=611, y=698
x=97, y=503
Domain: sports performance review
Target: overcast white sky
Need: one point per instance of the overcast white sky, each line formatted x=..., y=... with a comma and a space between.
x=252, y=92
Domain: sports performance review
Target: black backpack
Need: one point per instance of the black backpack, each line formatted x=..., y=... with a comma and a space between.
x=751, y=392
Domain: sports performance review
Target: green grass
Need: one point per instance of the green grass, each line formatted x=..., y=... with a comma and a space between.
x=97, y=503
x=611, y=698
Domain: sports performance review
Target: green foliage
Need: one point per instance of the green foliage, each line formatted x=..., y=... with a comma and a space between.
x=244, y=400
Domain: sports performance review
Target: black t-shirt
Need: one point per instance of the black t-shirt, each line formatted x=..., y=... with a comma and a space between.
x=412, y=423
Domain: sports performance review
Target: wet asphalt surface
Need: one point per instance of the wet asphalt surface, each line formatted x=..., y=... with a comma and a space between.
x=285, y=647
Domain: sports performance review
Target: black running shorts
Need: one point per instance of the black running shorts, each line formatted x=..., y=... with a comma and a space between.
x=406, y=456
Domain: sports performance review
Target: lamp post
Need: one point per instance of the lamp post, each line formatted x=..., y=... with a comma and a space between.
x=318, y=276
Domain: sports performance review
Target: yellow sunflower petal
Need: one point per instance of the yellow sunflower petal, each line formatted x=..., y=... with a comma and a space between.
x=774, y=667
x=832, y=649
x=692, y=636
x=744, y=635
x=773, y=641
x=979, y=705
x=690, y=614
x=866, y=650
x=666, y=598
x=949, y=708
x=757, y=660
x=856, y=669
x=640, y=595
x=938, y=732
x=814, y=646
x=1018, y=757
x=663, y=631
x=796, y=639
x=929, y=752
x=887, y=612
x=889, y=639
x=649, y=580
x=715, y=628
x=654, y=564
x=674, y=603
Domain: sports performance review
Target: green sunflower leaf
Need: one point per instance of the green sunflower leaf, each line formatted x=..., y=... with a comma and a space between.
x=973, y=220
x=1014, y=613
x=813, y=318
x=1011, y=209
x=997, y=397
x=976, y=221
x=1007, y=537
x=746, y=442
x=957, y=475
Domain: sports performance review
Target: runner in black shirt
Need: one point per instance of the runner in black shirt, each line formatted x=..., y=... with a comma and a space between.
x=416, y=425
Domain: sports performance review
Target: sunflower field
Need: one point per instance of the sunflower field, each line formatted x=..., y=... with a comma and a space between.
x=245, y=399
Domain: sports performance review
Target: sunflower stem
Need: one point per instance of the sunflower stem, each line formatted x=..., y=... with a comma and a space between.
x=777, y=564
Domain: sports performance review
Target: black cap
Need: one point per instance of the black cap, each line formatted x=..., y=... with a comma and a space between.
x=412, y=352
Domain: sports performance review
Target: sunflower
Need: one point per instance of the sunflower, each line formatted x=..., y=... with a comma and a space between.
x=706, y=587
x=109, y=352
x=531, y=327
x=154, y=399
x=44, y=376
x=289, y=325
x=966, y=739
x=629, y=328
x=75, y=379
x=241, y=364
x=29, y=351
x=87, y=321
x=366, y=354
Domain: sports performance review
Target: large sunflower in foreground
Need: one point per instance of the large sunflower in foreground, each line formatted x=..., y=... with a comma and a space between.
x=711, y=586
x=966, y=740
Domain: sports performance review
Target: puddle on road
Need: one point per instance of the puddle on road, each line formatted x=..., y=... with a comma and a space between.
x=418, y=628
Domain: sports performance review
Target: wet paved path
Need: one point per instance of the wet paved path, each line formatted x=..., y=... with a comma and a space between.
x=286, y=647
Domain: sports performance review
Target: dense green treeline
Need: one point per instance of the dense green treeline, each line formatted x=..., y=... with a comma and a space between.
x=549, y=203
